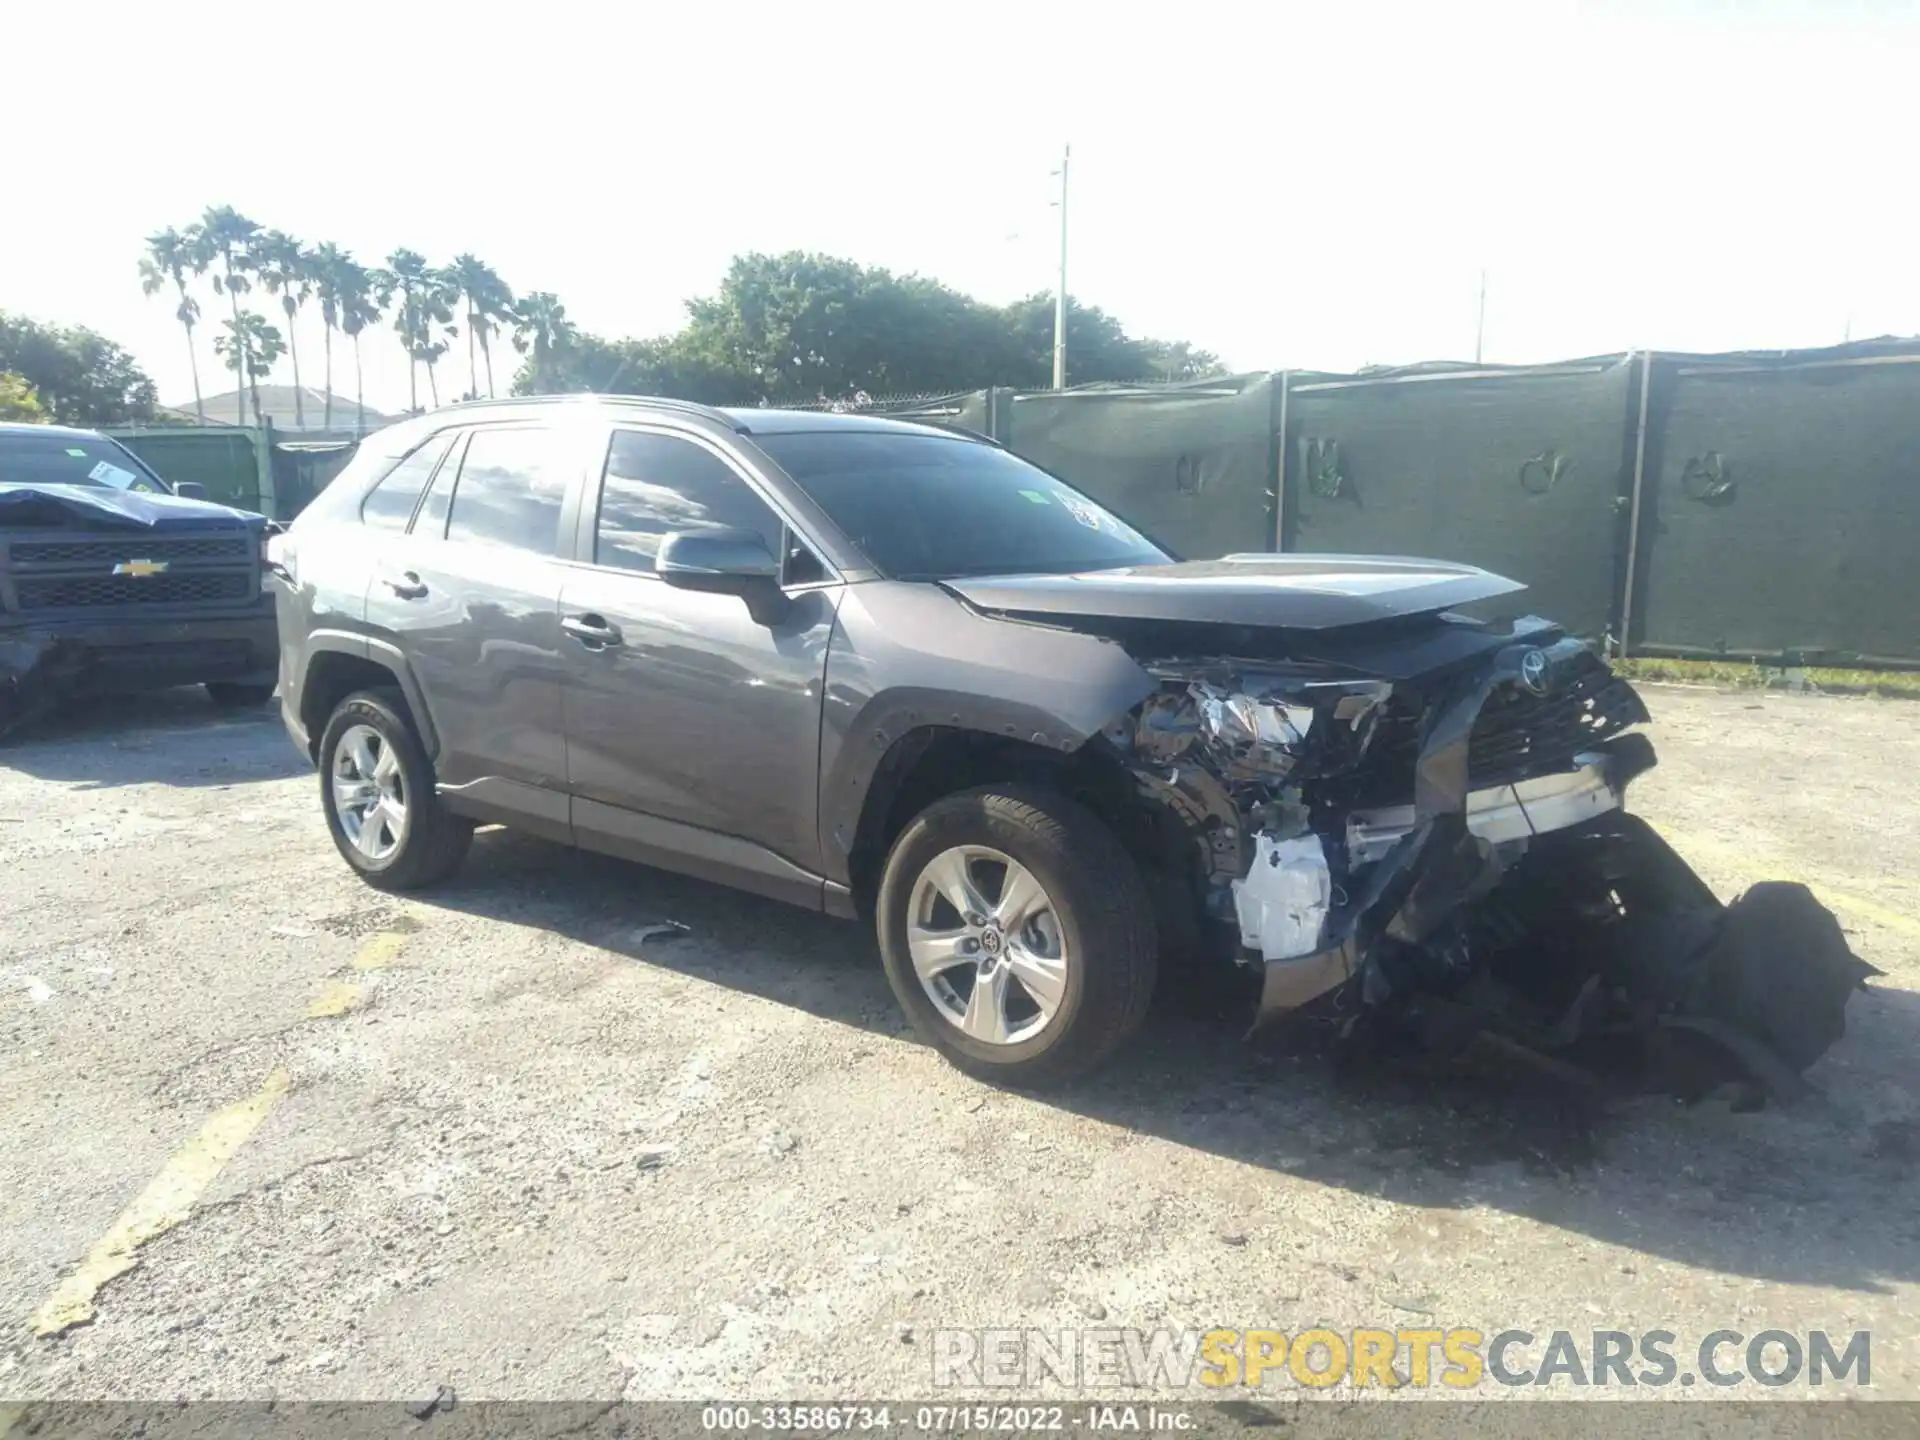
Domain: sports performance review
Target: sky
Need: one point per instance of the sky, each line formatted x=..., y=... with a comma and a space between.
x=1289, y=185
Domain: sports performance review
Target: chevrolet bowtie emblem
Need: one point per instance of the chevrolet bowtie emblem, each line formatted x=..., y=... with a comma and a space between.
x=141, y=568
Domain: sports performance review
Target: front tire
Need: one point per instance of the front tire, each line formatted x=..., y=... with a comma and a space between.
x=377, y=789
x=1016, y=934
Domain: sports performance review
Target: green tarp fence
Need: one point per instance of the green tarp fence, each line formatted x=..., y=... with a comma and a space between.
x=302, y=469
x=225, y=460
x=1192, y=465
x=252, y=469
x=1778, y=493
x=1781, y=509
x=1516, y=471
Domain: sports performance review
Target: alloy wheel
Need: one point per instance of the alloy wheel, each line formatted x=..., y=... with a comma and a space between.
x=987, y=945
x=369, y=792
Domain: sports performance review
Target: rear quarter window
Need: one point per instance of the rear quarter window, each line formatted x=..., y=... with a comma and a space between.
x=390, y=504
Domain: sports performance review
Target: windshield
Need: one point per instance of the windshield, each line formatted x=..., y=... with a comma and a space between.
x=931, y=507
x=55, y=459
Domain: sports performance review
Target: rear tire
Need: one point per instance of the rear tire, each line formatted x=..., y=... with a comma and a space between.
x=377, y=790
x=1070, y=981
x=238, y=695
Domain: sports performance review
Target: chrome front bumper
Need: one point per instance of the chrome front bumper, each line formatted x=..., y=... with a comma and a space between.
x=1506, y=812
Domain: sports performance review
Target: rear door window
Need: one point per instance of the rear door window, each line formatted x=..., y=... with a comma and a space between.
x=512, y=486
x=389, y=505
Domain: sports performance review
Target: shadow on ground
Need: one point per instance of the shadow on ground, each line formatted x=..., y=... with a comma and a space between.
x=167, y=737
x=1797, y=1195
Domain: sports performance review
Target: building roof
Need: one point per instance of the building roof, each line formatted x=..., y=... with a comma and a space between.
x=235, y=407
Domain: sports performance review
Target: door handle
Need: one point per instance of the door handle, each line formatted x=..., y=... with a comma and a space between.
x=408, y=587
x=591, y=631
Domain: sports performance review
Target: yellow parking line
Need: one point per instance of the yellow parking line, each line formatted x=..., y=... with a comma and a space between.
x=167, y=1200
x=380, y=951
x=1747, y=863
x=336, y=998
x=342, y=997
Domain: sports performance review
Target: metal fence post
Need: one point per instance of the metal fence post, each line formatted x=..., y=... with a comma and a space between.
x=1633, y=516
x=1280, y=467
x=263, y=467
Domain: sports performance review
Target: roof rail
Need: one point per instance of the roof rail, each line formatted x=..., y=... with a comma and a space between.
x=656, y=402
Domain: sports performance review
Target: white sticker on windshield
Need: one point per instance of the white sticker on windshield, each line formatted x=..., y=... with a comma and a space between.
x=108, y=473
x=1082, y=511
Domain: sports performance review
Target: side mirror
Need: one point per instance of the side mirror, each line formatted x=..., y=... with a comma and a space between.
x=190, y=490
x=725, y=561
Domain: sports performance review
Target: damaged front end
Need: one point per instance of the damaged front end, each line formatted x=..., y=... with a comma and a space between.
x=1428, y=840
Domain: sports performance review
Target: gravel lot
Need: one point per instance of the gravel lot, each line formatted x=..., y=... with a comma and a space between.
x=506, y=1144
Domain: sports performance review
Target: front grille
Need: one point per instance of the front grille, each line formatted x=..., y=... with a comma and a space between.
x=237, y=546
x=186, y=588
x=1518, y=735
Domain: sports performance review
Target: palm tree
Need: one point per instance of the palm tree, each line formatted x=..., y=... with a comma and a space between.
x=171, y=256
x=488, y=301
x=227, y=236
x=251, y=346
x=284, y=270
x=436, y=303
x=412, y=282
x=363, y=300
x=541, y=327
x=328, y=264
x=431, y=352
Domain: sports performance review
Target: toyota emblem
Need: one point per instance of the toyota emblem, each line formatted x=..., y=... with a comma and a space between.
x=1533, y=671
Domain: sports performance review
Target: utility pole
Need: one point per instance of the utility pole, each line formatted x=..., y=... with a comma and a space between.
x=1060, y=290
x=1480, y=327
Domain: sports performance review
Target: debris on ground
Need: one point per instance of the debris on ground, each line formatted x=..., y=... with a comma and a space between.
x=663, y=930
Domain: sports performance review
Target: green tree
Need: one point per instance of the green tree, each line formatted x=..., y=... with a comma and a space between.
x=171, y=256
x=487, y=302
x=18, y=404
x=411, y=286
x=802, y=328
x=541, y=331
x=328, y=268
x=1173, y=360
x=673, y=367
x=812, y=327
x=79, y=377
x=224, y=234
x=250, y=347
x=364, y=295
x=1098, y=347
x=286, y=271
x=436, y=321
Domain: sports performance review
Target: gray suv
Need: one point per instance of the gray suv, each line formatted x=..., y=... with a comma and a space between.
x=896, y=673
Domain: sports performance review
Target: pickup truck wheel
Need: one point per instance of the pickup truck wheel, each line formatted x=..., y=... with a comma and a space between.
x=236, y=695
x=376, y=787
x=1016, y=934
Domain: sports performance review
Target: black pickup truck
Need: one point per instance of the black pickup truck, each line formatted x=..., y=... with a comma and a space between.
x=113, y=580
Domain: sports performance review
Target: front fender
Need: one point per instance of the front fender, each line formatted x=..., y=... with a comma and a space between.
x=907, y=657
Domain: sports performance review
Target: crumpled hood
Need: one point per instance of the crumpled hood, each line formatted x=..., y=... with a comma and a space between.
x=89, y=507
x=1295, y=592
